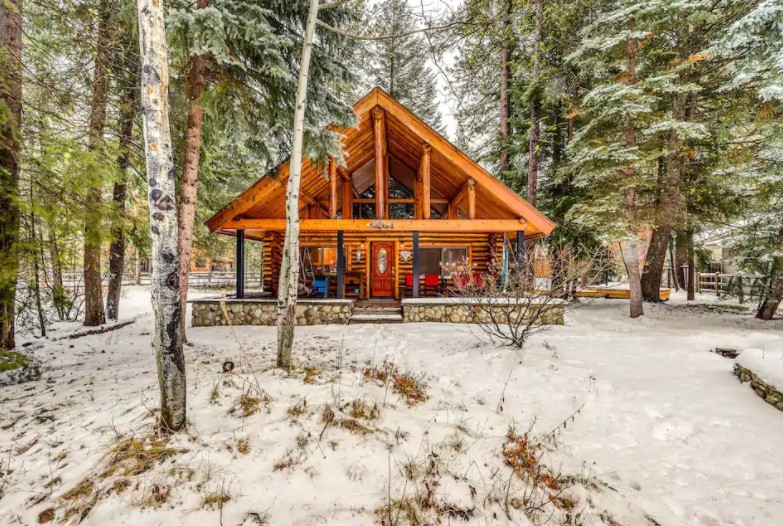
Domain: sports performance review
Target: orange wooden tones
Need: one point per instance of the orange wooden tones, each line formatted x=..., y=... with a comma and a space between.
x=392, y=136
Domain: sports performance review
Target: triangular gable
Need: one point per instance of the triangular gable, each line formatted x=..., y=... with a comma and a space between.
x=266, y=198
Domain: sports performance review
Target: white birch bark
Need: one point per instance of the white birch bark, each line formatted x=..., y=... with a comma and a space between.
x=289, y=270
x=167, y=338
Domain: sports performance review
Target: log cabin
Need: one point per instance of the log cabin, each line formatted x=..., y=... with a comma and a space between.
x=404, y=209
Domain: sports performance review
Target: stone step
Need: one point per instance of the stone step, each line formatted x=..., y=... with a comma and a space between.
x=377, y=318
x=376, y=310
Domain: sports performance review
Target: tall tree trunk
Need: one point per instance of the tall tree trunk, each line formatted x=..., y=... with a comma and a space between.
x=774, y=293
x=630, y=245
x=680, y=258
x=58, y=290
x=117, y=248
x=691, y=266
x=10, y=148
x=289, y=271
x=35, y=281
x=534, y=134
x=137, y=268
x=163, y=213
x=93, y=293
x=505, y=87
x=188, y=188
x=669, y=207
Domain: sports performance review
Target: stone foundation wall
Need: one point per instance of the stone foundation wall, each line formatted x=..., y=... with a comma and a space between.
x=770, y=395
x=259, y=312
x=472, y=313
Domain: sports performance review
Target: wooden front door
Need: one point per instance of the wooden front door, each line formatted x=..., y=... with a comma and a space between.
x=382, y=284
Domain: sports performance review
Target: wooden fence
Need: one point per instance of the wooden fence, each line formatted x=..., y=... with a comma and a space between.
x=737, y=284
x=196, y=280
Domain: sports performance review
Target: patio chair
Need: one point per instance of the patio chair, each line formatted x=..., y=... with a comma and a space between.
x=432, y=281
x=320, y=288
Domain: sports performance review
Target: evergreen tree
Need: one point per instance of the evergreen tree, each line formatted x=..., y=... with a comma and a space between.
x=398, y=61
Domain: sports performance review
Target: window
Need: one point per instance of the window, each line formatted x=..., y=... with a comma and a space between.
x=451, y=257
x=400, y=210
x=441, y=260
x=319, y=260
x=429, y=260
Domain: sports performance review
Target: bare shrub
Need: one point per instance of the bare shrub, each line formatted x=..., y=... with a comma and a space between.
x=511, y=304
x=412, y=387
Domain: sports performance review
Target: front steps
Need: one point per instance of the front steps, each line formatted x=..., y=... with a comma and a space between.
x=376, y=314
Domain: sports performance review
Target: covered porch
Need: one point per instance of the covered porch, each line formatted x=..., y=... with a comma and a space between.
x=393, y=259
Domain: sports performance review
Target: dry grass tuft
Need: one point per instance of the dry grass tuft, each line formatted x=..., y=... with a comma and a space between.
x=246, y=405
x=311, y=373
x=26, y=447
x=80, y=491
x=243, y=446
x=349, y=423
x=412, y=387
x=216, y=499
x=158, y=496
x=298, y=409
x=120, y=485
x=358, y=408
x=249, y=404
x=131, y=456
x=46, y=516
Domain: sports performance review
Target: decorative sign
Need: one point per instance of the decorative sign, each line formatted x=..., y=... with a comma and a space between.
x=406, y=255
x=381, y=225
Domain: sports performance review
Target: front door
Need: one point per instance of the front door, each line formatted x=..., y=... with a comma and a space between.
x=382, y=284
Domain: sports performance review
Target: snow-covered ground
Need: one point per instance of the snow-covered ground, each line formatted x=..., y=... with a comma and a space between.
x=659, y=419
x=766, y=363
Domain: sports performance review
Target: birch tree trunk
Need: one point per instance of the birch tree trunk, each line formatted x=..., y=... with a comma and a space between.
x=505, y=91
x=161, y=176
x=10, y=148
x=188, y=188
x=289, y=270
x=117, y=248
x=630, y=245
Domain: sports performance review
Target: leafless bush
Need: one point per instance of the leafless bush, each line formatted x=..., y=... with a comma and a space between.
x=509, y=305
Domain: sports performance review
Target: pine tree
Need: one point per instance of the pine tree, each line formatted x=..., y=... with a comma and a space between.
x=10, y=149
x=398, y=61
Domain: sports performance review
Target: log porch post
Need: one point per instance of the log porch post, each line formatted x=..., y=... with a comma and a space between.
x=379, y=129
x=240, y=262
x=424, y=176
x=472, y=199
x=340, y=266
x=332, y=188
x=347, y=198
x=415, y=280
x=521, y=247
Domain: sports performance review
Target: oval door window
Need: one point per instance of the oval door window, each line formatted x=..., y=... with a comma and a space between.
x=383, y=260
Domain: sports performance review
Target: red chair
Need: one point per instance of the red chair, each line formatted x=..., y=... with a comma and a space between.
x=408, y=285
x=478, y=280
x=431, y=281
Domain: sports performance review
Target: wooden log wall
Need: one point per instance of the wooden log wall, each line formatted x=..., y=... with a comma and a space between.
x=479, y=247
x=272, y=260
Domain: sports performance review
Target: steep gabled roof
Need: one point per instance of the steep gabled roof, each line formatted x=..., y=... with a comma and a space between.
x=406, y=135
